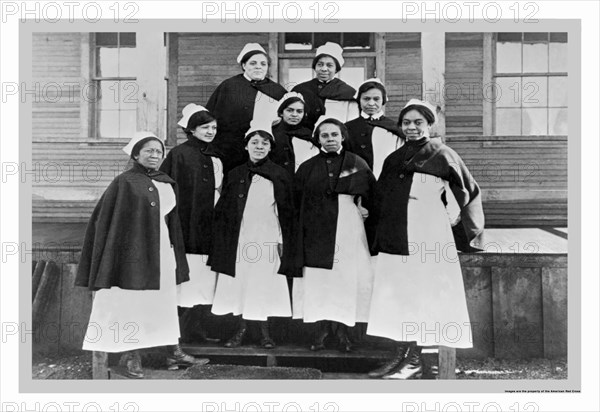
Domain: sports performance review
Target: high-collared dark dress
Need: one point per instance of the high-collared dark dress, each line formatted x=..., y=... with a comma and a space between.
x=196, y=167
x=190, y=164
x=362, y=132
x=233, y=104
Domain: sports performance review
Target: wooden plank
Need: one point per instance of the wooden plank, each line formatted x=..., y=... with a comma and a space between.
x=76, y=306
x=172, y=92
x=380, y=49
x=518, y=324
x=446, y=363
x=45, y=312
x=46, y=292
x=555, y=311
x=37, y=276
x=478, y=290
x=100, y=368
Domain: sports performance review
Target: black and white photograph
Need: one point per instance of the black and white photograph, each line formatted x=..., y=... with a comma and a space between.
x=219, y=205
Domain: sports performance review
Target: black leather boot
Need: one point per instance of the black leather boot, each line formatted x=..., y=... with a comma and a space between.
x=237, y=339
x=412, y=367
x=179, y=358
x=132, y=360
x=321, y=334
x=344, y=344
x=393, y=364
x=266, y=341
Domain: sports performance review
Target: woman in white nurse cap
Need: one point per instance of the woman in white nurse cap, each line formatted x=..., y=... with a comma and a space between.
x=133, y=257
x=241, y=98
x=197, y=168
x=326, y=94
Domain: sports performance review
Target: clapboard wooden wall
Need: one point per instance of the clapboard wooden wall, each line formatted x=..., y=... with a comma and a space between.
x=464, y=80
x=58, y=84
x=403, y=72
x=523, y=178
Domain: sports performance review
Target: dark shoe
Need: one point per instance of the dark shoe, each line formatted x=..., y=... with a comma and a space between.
x=180, y=358
x=236, y=340
x=344, y=344
x=320, y=335
x=132, y=361
x=393, y=364
x=266, y=341
x=411, y=368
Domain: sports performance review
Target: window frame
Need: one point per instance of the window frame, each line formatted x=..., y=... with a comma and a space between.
x=95, y=80
x=311, y=53
x=546, y=75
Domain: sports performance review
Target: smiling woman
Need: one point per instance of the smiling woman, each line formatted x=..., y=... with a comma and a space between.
x=326, y=94
x=253, y=240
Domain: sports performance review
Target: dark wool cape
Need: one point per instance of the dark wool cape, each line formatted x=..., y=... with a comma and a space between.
x=122, y=240
x=428, y=156
x=283, y=152
x=191, y=166
x=315, y=93
x=360, y=140
x=230, y=210
x=317, y=205
x=232, y=103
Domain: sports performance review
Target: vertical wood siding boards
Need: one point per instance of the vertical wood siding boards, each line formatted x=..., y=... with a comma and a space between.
x=403, y=71
x=464, y=80
x=46, y=310
x=204, y=60
x=478, y=289
x=517, y=299
x=555, y=311
x=57, y=81
x=172, y=93
x=76, y=305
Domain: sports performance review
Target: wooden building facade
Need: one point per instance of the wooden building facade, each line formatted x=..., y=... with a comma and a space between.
x=506, y=118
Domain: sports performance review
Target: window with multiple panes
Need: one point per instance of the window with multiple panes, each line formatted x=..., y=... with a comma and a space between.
x=311, y=41
x=530, y=75
x=297, y=50
x=115, y=68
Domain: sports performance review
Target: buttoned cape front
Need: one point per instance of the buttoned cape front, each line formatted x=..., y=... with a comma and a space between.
x=315, y=93
x=360, y=132
x=230, y=210
x=190, y=165
x=232, y=103
x=122, y=240
x=388, y=223
x=317, y=204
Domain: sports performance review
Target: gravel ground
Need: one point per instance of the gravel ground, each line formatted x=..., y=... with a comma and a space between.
x=80, y=367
